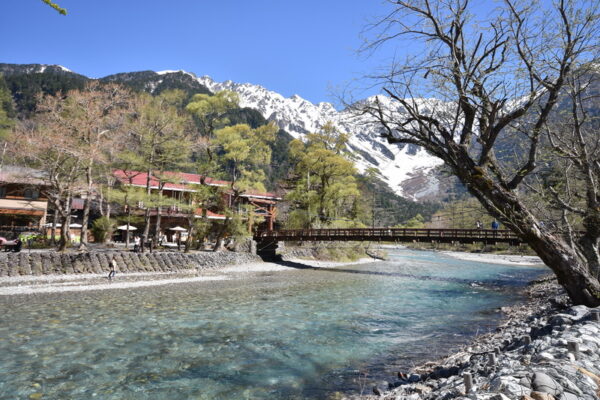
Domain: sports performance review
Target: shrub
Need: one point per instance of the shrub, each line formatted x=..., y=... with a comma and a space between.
x=102, y=229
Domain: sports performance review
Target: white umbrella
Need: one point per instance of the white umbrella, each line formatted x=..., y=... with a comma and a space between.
x=124, y=228
x=49, y=225
x=75, y=226
x=178, y=229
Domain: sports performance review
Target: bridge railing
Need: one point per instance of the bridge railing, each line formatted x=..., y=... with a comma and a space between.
x=388, y=234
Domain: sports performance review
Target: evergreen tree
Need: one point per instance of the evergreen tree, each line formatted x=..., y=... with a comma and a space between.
x=244, y=152
x=7, y=112
x=325, y=189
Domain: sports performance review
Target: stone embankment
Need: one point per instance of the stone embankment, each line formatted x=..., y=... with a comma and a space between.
x=52, y=263
x=545, y=350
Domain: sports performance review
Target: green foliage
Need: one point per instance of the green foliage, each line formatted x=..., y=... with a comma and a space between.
x=280, y=165
x=162, y=135
x=210, y=112
x=324, y=187
x=236, y=227
x=58, y=8
x=415, y=222
x=27, y=88
x=7, y=112
x=245, y=152
x=151, y=82
x=462, y=214
x=103, y=228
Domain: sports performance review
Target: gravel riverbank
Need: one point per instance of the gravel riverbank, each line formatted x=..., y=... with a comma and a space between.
x=545, y=349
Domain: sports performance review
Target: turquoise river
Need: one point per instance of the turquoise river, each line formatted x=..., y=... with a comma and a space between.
x=293, y=334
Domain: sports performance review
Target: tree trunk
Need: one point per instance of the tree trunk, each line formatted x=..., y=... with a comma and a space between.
x=55, y=220
x=571, y=270
x=158, y=216
x=219, y=240
x=65, y=234
x=83, y=238
x=128, y=232
x=190, y=239
x=146, y=233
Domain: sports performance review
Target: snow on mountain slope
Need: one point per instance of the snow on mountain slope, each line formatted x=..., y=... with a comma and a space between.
x=405, y=168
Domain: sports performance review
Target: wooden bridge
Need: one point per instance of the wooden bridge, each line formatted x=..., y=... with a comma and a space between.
x=267, y=240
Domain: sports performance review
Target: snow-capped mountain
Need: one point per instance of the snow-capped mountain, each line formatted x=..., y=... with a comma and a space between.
x=405, y=168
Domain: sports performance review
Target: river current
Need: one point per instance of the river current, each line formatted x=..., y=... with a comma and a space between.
x=297, y=334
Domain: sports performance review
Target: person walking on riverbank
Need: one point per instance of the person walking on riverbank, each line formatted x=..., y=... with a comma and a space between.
x=113, y=268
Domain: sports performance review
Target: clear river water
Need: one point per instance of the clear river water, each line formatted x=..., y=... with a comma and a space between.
x=297, y=334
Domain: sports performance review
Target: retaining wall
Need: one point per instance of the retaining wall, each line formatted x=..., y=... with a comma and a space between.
x=46, y=263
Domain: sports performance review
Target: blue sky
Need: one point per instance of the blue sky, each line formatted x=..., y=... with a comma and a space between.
x=293, y=47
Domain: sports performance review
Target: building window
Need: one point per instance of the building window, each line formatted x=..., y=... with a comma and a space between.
x=32, y=194
x=2, y=192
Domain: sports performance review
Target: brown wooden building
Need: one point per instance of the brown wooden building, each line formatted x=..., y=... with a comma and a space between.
x=22, y=204
x=180, y=186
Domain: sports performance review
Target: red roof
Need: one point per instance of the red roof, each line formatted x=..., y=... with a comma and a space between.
x=137, y=178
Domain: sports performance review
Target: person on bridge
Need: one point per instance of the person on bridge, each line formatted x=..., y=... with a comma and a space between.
x=479, y=224
x=495, y=225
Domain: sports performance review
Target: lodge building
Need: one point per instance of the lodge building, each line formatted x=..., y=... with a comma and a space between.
x=23, y=206
x=179, y=186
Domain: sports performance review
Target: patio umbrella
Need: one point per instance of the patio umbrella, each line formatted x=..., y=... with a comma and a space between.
x=124, y=228
x=75, y=226
x=178, y=229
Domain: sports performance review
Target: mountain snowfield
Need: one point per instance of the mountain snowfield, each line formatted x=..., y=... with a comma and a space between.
x=405, y=168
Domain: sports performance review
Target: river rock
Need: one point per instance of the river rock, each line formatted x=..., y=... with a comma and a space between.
x=24, y=265
x=36, y=264
x=559, y=320
x=95, y=263
x=76, y=262
x=46, y=261
x=544, y=383
x=541, y=396
x=509, y=385
x=499, y=396
x=578, y=312
x=569, y=396
x=67, y=264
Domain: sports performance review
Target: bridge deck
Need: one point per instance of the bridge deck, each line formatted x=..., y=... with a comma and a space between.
x=391, y=235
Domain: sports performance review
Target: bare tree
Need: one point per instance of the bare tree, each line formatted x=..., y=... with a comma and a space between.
x=43, y=144
x=479, y=82
x=94, y=117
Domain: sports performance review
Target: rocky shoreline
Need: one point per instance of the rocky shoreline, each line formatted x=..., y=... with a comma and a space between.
x=545, y=349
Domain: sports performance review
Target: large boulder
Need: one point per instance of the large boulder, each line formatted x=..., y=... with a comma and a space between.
x=545, y=384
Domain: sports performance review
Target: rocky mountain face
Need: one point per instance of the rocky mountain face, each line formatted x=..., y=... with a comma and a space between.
x=405, y=168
